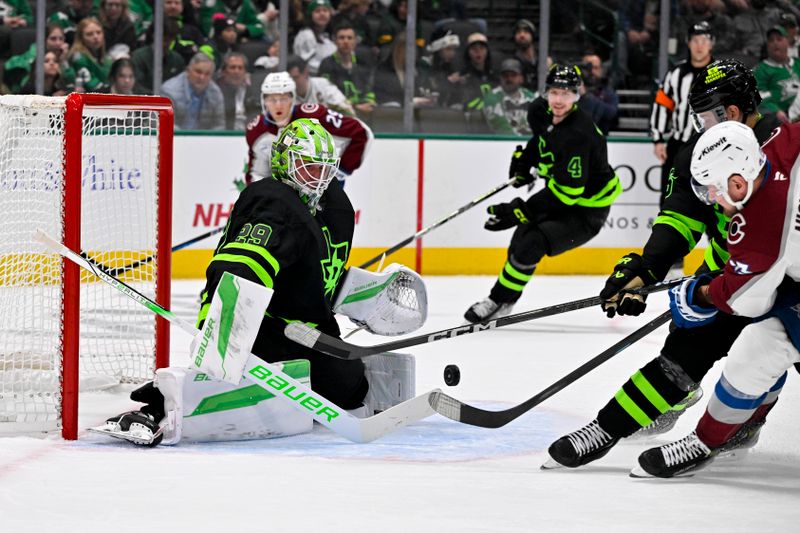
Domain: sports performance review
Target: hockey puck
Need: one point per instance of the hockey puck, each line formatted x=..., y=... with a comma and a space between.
x=452, y=375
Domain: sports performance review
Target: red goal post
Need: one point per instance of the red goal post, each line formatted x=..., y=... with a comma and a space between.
x=103, y=163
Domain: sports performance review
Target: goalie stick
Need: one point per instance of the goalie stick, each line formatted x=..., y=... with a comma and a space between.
x=461, y=412
x=317, y=340
x=423, y=231
x=271, y=378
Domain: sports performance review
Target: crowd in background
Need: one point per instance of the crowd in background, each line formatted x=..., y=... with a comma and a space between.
x=350, y=54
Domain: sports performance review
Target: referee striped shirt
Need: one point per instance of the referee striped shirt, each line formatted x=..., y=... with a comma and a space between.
x=669, y=118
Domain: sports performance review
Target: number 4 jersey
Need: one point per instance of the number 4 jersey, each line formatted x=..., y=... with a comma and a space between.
x=352, y=138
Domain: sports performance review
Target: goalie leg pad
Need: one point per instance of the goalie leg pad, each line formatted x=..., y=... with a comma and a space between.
x=200, y=409
x=391, y=378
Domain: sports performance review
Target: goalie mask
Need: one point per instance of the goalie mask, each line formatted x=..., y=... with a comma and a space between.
x=305, y=158
x=724, y=150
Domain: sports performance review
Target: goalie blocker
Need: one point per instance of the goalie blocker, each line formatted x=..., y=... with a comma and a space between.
x=187, y=404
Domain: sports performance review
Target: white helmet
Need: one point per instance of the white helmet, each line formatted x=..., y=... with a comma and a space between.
x=725, y=149
x=277, y=83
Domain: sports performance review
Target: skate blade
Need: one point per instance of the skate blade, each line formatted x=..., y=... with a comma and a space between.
x=122, y=435
x=551, y=464
x=640, y=473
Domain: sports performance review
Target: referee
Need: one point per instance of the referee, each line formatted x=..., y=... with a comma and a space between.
x=670, y=124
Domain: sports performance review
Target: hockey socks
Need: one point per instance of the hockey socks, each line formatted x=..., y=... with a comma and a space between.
x=648, y=394
x=511, y=282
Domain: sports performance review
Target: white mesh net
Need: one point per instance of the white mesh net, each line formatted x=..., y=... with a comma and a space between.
x=119, y=196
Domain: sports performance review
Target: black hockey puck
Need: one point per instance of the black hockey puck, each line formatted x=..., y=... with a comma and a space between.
x=452, y=375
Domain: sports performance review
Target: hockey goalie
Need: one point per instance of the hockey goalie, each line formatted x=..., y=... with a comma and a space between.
x=282, y=259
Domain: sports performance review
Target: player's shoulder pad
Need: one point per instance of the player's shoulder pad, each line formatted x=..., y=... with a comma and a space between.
x=258, y=127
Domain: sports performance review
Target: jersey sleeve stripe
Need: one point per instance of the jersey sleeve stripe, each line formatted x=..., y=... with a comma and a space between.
x=268, y=257
x=679, y=226
x=249, y=262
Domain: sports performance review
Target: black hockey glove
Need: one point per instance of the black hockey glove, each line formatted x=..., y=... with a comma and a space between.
x=629, y=273
x=520, y=168
x=504, y=216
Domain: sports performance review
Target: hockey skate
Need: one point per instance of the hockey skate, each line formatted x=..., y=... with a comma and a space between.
x=680, y=458
x=134, y=426
x=580, y=447
x=667, y=421
x=487, y=309
x=743, y=440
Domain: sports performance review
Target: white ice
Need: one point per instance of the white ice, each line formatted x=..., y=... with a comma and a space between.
x=433, y=476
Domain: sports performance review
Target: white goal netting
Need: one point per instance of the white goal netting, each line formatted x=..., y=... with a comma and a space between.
x=119, y=194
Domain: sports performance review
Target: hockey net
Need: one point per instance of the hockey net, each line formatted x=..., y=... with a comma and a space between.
x=95, y=172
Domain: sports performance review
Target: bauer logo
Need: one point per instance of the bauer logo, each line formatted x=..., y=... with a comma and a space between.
x=280, y=385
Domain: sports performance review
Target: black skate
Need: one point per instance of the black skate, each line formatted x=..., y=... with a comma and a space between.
x=580, y=447
x=680, y=458
x=134, y=426
x=487, y=309
x=667, y=421
x=743, y=440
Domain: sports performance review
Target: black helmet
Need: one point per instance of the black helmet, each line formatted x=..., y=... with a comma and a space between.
x=700, y=28
x=563, y=77
x=722, y=83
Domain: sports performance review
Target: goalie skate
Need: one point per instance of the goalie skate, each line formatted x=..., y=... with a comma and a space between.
x=134, y=426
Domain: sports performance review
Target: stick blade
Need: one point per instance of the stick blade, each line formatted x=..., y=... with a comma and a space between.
x=302, y=334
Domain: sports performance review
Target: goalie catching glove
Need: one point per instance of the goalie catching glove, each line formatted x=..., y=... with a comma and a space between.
x=391, y=302
x=629, y=273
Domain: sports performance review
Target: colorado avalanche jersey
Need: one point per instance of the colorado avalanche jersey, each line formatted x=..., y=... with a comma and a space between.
x=764, y=237
x=350, y=135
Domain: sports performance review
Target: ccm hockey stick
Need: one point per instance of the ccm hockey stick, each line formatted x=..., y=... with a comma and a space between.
x=435, y=225
x=271, y=378
x=317, y=340
x=460, y=412
x=136, y=264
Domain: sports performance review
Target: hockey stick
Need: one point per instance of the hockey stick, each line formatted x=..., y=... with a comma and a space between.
x=460, y=412
x=423, y=231
x=271, y=378
x=136, y=264
x=317, y=340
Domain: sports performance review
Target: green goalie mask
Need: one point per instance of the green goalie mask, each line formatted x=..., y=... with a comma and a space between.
x=304, y=157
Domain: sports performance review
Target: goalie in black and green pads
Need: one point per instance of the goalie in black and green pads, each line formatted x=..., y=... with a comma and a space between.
x=569, y=152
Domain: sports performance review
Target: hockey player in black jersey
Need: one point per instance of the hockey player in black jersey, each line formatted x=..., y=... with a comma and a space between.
x=569, y=152
x=657, y=393
x=291, y=233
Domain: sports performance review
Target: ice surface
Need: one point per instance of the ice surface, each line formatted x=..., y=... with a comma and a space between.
x=433, y=476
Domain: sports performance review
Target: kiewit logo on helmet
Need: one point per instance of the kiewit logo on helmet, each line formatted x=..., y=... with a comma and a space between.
x=714, y=74
x=708, y=149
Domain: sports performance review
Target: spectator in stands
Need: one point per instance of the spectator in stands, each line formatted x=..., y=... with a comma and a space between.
x=711, y=11
x=122, y=78
x=54, y=83
x=506, y=106
x=224, y=39
x=172, y=63
x=750, y=29
x=242, y=11
x=639, y=22
x=789, y=21
x=19, y=67
x=525, y=52
x=598, y=99
x=190, y=38
x=313, y=42
x=477, y=77
x=354, y=12
x=242, y=101
x=393, y=24
x=120, y=35
x=69, y=18
x=88, y=56
x=349, y=72
x=196, y=99
x=316, y=90
x=443, y=65
x=270, y=61
x=390, y=78
x=14, y=14
x=269, y=17
x=141, y=13
x=778, y=76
